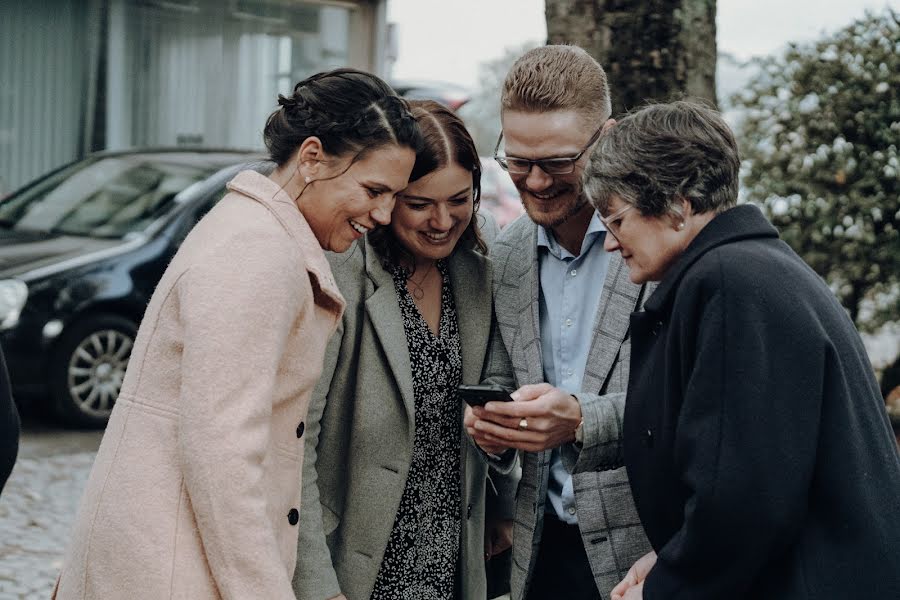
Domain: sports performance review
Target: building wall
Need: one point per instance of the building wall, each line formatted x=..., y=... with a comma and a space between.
x=44, y=67
x=83, y=75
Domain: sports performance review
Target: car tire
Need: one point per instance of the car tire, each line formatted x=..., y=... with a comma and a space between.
x=87, y=369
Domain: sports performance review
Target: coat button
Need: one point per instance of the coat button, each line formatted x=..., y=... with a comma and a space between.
x=648, y=439
x=300, y=429
x=656, y=327
x=293, y=516
x=469, y=511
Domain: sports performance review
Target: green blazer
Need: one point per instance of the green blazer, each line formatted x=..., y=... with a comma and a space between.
x=359, y=432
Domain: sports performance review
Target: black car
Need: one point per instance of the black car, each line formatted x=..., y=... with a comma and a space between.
x=81, y=251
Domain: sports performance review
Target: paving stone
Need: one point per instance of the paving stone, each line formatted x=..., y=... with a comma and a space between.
x=38, y=507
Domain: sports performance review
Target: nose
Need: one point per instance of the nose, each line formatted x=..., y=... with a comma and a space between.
x=537, y=180
x=610, y=243
x=440, y=218
x=381, y=214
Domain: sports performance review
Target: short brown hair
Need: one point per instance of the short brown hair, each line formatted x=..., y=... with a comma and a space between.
x=557, y=77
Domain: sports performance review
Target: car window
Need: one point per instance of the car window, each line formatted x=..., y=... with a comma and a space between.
x=264, y=167
x=110, y=197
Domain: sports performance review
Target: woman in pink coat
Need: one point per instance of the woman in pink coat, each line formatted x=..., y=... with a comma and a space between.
x=195, y=492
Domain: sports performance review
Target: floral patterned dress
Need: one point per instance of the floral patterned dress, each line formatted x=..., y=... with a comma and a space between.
x=420, y=560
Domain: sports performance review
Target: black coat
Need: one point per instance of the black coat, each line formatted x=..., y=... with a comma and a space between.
x=757, y=443
x=9, y=425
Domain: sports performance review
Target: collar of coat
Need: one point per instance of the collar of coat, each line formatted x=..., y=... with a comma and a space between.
x=738, y=223
x=265, y=191
x=470, y=279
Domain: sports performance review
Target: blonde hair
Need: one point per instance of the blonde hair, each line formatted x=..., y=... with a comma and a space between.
x=557, y=77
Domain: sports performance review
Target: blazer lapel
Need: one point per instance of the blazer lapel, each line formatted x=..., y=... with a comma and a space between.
x=617, y=301
x=383, y=309
x=525, y=289
x=470, y=277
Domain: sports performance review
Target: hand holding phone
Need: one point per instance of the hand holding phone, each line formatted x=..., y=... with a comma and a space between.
x=479, y=395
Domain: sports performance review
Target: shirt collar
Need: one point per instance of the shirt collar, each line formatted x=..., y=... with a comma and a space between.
x=546, y=239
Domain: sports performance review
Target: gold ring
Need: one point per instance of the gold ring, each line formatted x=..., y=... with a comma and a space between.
x=523, y=424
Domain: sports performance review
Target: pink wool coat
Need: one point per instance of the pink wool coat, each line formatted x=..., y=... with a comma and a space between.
x=196, y=486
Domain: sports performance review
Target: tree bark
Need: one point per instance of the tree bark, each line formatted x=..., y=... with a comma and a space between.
x=651, y=49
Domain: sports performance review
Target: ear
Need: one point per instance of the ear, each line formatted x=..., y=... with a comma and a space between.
x=606, y=126
x=309, y=157
x=681, y=211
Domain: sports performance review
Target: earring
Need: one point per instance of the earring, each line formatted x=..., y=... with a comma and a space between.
x=681, y=225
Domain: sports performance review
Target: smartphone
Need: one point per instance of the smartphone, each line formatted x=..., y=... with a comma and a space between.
x=479, y=395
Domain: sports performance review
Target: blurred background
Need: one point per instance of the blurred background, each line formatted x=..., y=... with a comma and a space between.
x=122, y=120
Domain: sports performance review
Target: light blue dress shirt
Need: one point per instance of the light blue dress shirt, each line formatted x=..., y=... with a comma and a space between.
x=570, y=295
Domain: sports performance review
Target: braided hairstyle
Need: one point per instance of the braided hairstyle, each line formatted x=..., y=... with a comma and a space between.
x=350, y=111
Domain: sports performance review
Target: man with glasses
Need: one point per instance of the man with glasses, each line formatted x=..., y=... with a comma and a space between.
x=577, y=531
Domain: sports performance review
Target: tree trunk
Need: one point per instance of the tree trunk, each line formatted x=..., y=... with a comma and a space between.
x=651, y=49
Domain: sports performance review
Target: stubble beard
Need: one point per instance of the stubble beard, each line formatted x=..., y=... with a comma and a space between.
x=550, y=221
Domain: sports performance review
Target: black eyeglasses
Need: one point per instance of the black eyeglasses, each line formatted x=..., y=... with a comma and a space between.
x=550, y=166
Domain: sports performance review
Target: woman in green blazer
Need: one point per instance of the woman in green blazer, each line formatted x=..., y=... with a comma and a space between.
x=393, y=490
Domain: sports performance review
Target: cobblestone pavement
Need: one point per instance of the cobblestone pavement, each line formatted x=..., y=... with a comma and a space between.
x=38, y=505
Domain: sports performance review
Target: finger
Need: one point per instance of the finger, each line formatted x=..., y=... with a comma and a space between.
x=541, y=442
x=468, y=416
x=508, y=434
x=491, y=445
x=508, y=422
x=525, y=408
x=500, y=419
x=530, y=391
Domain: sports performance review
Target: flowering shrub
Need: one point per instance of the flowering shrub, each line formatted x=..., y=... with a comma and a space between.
x=820, y=135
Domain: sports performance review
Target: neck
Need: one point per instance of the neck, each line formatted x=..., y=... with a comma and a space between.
x=288, y=179
x=570, y=233
x=419, y=266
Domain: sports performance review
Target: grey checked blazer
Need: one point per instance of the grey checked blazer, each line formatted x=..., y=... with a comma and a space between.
x=610, y=528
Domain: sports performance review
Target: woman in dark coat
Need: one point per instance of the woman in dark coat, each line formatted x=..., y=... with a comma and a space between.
x=756, y=440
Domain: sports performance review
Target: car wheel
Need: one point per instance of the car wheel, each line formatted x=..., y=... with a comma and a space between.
x=88, y=368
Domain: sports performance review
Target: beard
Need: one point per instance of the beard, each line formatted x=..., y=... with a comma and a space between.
x=557, y=210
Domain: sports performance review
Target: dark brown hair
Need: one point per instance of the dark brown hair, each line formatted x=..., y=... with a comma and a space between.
x=446, y=141
x=347, y=109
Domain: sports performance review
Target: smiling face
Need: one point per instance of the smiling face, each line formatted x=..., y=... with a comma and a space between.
x=649, y=244
x=344, y=208
x=549, y=199
x=433, y=213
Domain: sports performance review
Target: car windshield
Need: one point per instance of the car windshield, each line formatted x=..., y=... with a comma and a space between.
x=103, y=197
